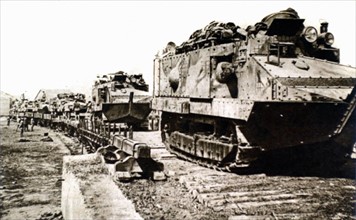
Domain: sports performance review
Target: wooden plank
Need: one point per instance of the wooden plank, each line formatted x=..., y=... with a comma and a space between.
x=265, y=203
x=247, y=199
x=238, y=194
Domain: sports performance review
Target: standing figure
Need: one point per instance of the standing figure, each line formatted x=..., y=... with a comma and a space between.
x=164, y=133
x=25, y=124
x=21, y=126
x=32, y=123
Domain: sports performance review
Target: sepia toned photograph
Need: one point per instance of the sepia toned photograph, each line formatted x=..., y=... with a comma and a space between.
x=167, y=110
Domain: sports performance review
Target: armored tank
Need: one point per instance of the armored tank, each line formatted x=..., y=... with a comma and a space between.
x=25, y=109
x=121, y=98
x=66, y=110
x=70, y=104
x=229, y=96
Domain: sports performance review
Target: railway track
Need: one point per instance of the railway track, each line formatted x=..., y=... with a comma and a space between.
x=231, y=196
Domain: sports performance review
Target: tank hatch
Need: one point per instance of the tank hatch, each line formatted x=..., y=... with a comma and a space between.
x=285, y=27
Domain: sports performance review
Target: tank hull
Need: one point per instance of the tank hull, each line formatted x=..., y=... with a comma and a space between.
x=274, y=125
x=268, y=89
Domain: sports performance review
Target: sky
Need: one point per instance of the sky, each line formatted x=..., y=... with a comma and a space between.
x=66, y=44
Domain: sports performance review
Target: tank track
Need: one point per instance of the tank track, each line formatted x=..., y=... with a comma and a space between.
x=230, y=168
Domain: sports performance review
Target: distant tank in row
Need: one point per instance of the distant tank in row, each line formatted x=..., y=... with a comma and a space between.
x=121, y=98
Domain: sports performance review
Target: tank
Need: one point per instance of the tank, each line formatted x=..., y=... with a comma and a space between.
x=121, y=98
x=67, y=108
x=70, y=104
x=25, y=109
x=229, y=95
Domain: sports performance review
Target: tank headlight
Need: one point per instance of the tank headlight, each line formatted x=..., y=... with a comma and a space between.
x=310, y=34
x=328, y=38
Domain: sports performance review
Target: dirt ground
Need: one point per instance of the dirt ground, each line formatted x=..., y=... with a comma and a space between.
x=194, y=192
x=30, y=181
x=30, y=172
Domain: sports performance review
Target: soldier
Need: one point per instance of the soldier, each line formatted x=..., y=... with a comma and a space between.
x=32, y=123
x=164, y=133
x=25, y=124
x=21, y=126
x=8, y=120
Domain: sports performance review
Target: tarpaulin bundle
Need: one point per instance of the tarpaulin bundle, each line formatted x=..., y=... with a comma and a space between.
x=214, y=33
